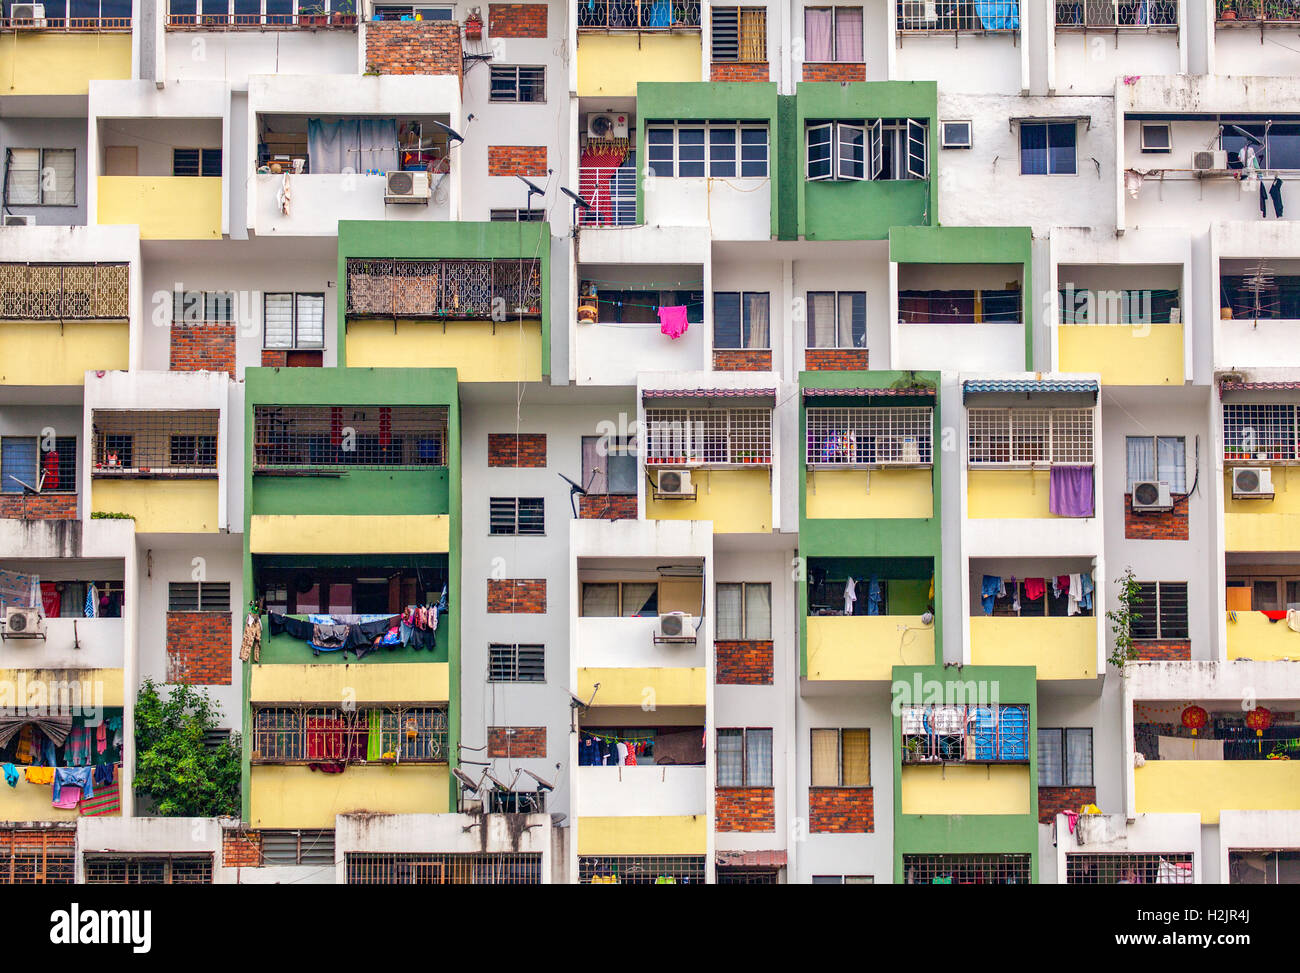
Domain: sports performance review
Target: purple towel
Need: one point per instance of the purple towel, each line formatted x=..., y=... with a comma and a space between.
x=1069, y=492
x=672, y=321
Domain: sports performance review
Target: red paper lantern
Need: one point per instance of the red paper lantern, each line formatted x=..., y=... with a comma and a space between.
x=1194, y=717
x=1259, y=719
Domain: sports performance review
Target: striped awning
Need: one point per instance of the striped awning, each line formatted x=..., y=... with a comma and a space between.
x=708, y=393
x=914, y=393
x=1257, y=387
x=1027, y=385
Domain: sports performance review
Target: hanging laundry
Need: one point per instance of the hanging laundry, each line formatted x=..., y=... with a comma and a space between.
x=991, y=588
x=1085, y=587
x=630, y=760
x=11, y=775
x=71, y=784
x=850, y=595
x=875, y=597
x=1076, y=593
x=51, y=597
x=92, y=601
x=25, y=751
x=672, y=320
x=79, y=747
x=1069, y=490
x=1133, y=179
x=1275, y=194
x=39, y=775
x=251, y=645
x=1034, y=588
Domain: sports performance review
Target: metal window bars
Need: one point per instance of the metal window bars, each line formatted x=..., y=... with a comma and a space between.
x=638, y=14
x=96, y=24
x=641, y=870
x=611, y=191
x=414, y=868
x=459, y=289
x=309, y=734
x=1247, y=12
x=64, y=292
x=148, y=869
x=1029, y=437
x=966, y=869
x=1117, y=14
x=1128, y=869
x=37, y=857
x=298, y=438
x=858, y=436
x=926, y=16
x=343, y=14
x=1260, y=432
x=714, y=437
x=989, y=733
x=155, y=443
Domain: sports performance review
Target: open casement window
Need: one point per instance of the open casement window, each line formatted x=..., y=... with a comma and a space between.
x=877, y=150
x=821, y=151
x=850, y=151
x=918, y=150
x=838, y=151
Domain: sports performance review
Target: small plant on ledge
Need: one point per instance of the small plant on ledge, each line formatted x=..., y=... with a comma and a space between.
x=1122, y=618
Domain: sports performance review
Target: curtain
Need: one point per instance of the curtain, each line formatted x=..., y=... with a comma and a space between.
x=821, y=320
x=600, y=600
x=758, y=612
x=758, y=758
x=1050, y=770
x=1078, y=745
x=352, y=144
x=728, y=609
x=848, y=34
x=753, y=34
x=640, y=598
x=1141, y=460
x=856, y=757
x=853, y=320
x=731, y=753
x=325, y=146
x=756, y=310
x=817, y=34
x=1171, y=461
x=825, y=758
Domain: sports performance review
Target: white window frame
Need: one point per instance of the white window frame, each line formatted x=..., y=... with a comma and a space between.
x=739, y=128
x=43, y=170
x=744, y=587
x=835, y=329
x=515, y=69
x=835, y=31
x=911, y=156
x=1169, y=138
x=948, y=143
x=296, y=343
x=839, y=732
x=683, y=435
x=742, y=733
x=1155, y=445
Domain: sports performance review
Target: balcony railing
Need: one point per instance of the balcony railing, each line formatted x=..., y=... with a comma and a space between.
x=1117, y=13
x=64, y=292
x=926, y=16
x=638, y=14
x=1259, y=11
x=308, y=734
x=611, y=191
x=67, y=24
x=464, y=289
x=965, y=734
x=317, y=21
x=298, y=438
x=131, y=444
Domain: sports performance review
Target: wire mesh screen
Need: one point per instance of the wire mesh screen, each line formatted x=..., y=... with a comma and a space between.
x=405, y=868
x=731, y=875
x=981, y=15
x=376, y=437
x=465, y=289
x=1119, y=869
x=641, y=870
x=57, y=292
x=1117, y=13
x=708, y=436
x=1260, y=432
x=966, y=869
x=37, y=857
x=149, y=870
x=294, y=734
x=1022, y=437
x=136, y=443
x=890, y=436
x=965, y=734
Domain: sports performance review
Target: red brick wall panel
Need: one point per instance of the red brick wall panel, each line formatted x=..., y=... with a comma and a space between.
x=1053, y=800
x=743, y=663
x=413, y=47
x=516, y=160
x=740, y=71
x=835, y=359
x=834, y=72
x=48, y=506
x=841, y=810
x=516, y=741
x=741, y=360
x=517, y=20
x=517, y=596
x=203, y=346
x=526, y=450
x=1173, y=651
x=614, y=506
x=199, y=648
x=745, y=809
x=1171, y=525
x=241, y=849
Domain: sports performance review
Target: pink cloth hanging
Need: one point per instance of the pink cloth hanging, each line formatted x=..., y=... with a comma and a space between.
x=672, y=320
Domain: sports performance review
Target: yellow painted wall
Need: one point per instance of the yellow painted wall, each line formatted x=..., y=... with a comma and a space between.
x=415, y=682
x=34, y=63
x=870, y=494
x=512, y=354
x=1263, y=525
x=46, y=687
x=361, y=534
x=865, y=647
x=1059, y=648
x=966, y=789
x=737, y=501
x=31, y=802
x=43, y=353
x=612, y=64
x=297, y=797
x=667, y=835
x=1007, y=494
x=1252, y=636
x=633, y=687
x=1211, y=786
x=160, y=506
x=166, y=207
x=1150, y=354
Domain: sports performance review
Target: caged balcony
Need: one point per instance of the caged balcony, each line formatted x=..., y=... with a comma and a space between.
x=637, y=15
x=944, y=16
x=1117, y=14
x=459, y=289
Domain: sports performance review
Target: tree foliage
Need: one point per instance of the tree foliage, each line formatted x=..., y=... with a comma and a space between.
x=174, y=765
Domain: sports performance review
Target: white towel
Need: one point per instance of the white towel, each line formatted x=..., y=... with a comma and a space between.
x=1076, y=593
x=850, y=595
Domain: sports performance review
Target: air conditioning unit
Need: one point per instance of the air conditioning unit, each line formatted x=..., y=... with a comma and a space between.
x=1251, y=482
x=24, y=623
x=1210, y=160
x=674, y=483
x=1151, y=495
x=606, y=125
x=917, y=14
x=14, y=219
x=675, y=627
x=28, y=11
x=406, y=187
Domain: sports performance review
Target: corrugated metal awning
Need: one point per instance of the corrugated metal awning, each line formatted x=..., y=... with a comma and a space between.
x=708, y=393
x=1027, y=385
x=926, y=393
x=1257, y=387
x=750, y=859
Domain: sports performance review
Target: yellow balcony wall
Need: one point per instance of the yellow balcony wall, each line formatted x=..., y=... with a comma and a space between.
x=358, y=534
x=737, y=501
x=295, y=796
x=610, y=65
x=53, y=63
x=31, y=802
x=665, y=835
x=869, y=494
x=49, y=687
x=414, y=682
x=966, y=789
x=1211, y=786
x=160, y=506
x=1252, y=636
x=866, y=647
x=45, y=353
x=1147, y=354
x=1263, y=525
x=479, y=350
x=1058, y=648
x=637, y=686
x=1007, y=494
x=165, y=207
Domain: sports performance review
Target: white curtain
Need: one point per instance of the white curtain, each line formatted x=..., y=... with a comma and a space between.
x=756, y=311
x=352, y=144
x=758, y=758
x=1141, y=460
x=731, y=755
x=758, y=612
x=848, y=34
x=821, y=320
x=728, y=609
x=600, y=601
x=817, y=34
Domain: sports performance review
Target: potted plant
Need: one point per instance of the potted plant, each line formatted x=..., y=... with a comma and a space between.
x=1227, y=10
x=474, y=25
x=312, y=15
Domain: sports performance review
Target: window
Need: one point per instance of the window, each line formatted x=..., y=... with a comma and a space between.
x=1024, y=437
x=42, y=177
x=992, y=733
x=1276, y=144
x=293, y=321
x=193, y=452
x=1064, y=757
x=832, y=34
x=684, y=436
x=298, y=847
x=875, y=149
x=47, y=470
x=869, y=436
x=740, y=319
x=843, y=880
x=429, y=868
x=740, y=34
x=1129, y=869
x=1252, y=867
x=294, y=734
x=317, y=437
x=609, y=465
x=196, y=162
x=955, y=134
x=680, y=149
x=37, y=857
x=1047, y=148
x=744, y=758
x=516, y=663
x=1259, y=432
x=513, y=83
x=620, y=599
x=1156, y=137
x=516, y=515
x=966, y=869
x=837, y=319
x=198, y=307
x=518, y=215
x=1163, y=611
x=841, y=758
x=1161, y=458
x=744, y=612
x=148, y=870
x=198, y=596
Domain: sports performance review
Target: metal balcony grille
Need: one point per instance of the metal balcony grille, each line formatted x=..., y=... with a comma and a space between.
x=460, y=289
x=97, y=24
x=887, y=436
x=611, y=191
x=921, y=16
x=641, y=870
x=154, y=443
x=1117, y=13
x=1128, y=869
x=408, y=868
x=966, y=869
x=149, y=870
x=295, y=734
x=1247, y=12
x=1026, y=437
x=64, y=292
x=638, y=14
x=37, y=857
x=1260, y=432
x=965, y=734
x=292, y=438
x=708, y=436
x=339, y=14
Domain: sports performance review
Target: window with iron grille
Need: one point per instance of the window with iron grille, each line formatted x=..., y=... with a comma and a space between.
x=1111, y=14
x=42, y=177
x=292, y=734
x=744, y=611
x=641, y=870
x=870, y=436
x=46, y=466
x=357, y=436
x=736, y=875
x=966, y=869
x=148, y=869
x=516, y=663
x=196, y=162
x=993, y=733
x=42, y=857
x=1029, y=437
x=198, y=596
x=293, y=321
x=517, y=515
x=1064, y=756
x=1124, y=869
x=155, y=443
x=708, y=436
x=954, y=15
x=413, y=868
x=294, y=847
x=1260, y=432
x=837, y=319
x=840, y=758
x=459, y=289
x=203, y=307
x=1249, y=867
x=722, y=150
x=1162, y=612
x=739, y=34
x=843, y=880
x=511, y=82
x=740, y=320
x=64, y=292
x=632, y=14
x=744, y=757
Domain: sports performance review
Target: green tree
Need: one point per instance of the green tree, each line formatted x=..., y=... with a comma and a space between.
x=1122, y=618
x=174, y=765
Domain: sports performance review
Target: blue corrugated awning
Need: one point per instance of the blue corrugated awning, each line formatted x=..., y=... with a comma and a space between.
x=1028, y=385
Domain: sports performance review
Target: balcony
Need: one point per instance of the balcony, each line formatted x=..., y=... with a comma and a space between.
x=645, y=790
x=966, y=760
x=70, y=642
x=864, y=648
x=970, y=317
x=633, y=686
x=1130, y=336
x=1257, y=13
x=619, y=333
x=59, y=55
x=621, y=42
x=1211, y=786
x=1260, y=316
x=1117, y=14
x=1254, y=635
x=953, y=16
x=629, y=643
x=656, y=15
x=183, y=15
x=1260, y=435
x=611, y=191
x=164, y=207
x=1057, y=648
x=1030, y=463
